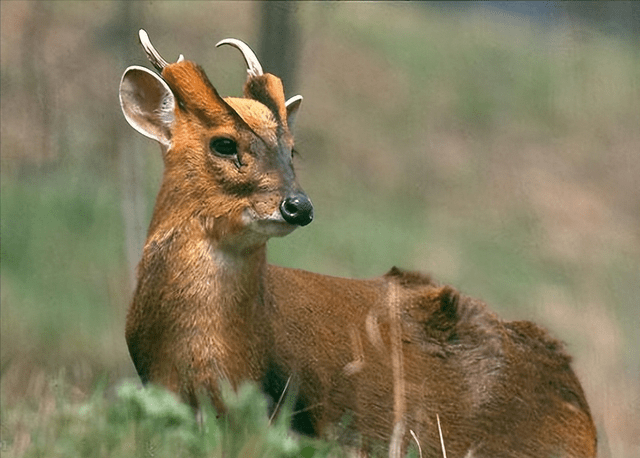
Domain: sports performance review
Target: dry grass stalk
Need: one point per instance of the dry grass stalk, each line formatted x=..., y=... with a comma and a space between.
x=399, y=394
x=415, y=438
x=444, y=451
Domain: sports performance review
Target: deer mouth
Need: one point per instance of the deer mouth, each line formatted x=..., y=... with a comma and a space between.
x=275, y=228
x=273, y=225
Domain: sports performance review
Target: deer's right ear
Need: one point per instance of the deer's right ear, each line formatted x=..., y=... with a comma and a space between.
x=292, y=105
x=147, y=103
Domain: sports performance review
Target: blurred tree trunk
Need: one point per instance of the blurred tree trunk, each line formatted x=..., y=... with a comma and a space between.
x=279, y=41
x=620, y=18
x=131, y=164
x=36, y=79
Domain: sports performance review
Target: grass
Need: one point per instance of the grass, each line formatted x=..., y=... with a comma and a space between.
x=152, y=422
x=498, y=155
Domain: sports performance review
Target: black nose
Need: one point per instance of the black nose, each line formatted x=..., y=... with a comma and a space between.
x=297, y=209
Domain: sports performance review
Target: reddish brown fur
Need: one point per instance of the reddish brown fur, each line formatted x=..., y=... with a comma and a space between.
x=208, y=307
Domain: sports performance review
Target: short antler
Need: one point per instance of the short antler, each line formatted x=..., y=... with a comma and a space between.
x=154, y=56
x=253, y=64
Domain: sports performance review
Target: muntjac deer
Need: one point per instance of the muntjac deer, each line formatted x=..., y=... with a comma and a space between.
x=399, y=354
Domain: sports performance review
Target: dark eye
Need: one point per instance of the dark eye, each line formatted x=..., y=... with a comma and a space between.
x=223, y=147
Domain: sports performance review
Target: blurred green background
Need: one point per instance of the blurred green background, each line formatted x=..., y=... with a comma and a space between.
x=497, y=148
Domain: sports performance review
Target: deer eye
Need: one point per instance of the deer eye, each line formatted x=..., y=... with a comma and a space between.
x=224, y=147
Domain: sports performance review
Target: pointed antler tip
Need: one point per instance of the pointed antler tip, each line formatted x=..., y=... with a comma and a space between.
x=154, y=57
x=223, y=42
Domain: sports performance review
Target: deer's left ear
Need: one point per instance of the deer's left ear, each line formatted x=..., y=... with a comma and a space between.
x=292, y=105
x=147, y=103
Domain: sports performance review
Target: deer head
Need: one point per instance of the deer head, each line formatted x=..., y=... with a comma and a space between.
x=228, y=161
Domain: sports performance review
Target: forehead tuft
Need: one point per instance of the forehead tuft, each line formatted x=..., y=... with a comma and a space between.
x=263, y=109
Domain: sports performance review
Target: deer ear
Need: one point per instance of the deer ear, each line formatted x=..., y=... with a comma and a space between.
x=293, y=105
x=147, y=103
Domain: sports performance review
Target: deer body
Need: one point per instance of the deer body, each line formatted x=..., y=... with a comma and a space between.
x=395, y=352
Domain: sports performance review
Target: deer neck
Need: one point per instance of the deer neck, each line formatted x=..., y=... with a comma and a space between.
x=238, y=276
x=213, y=276
x=209, y=314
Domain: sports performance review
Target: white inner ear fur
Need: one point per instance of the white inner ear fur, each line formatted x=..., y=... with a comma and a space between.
x=147, y=103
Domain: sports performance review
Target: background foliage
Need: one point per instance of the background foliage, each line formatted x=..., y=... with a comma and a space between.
x=496, y=149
